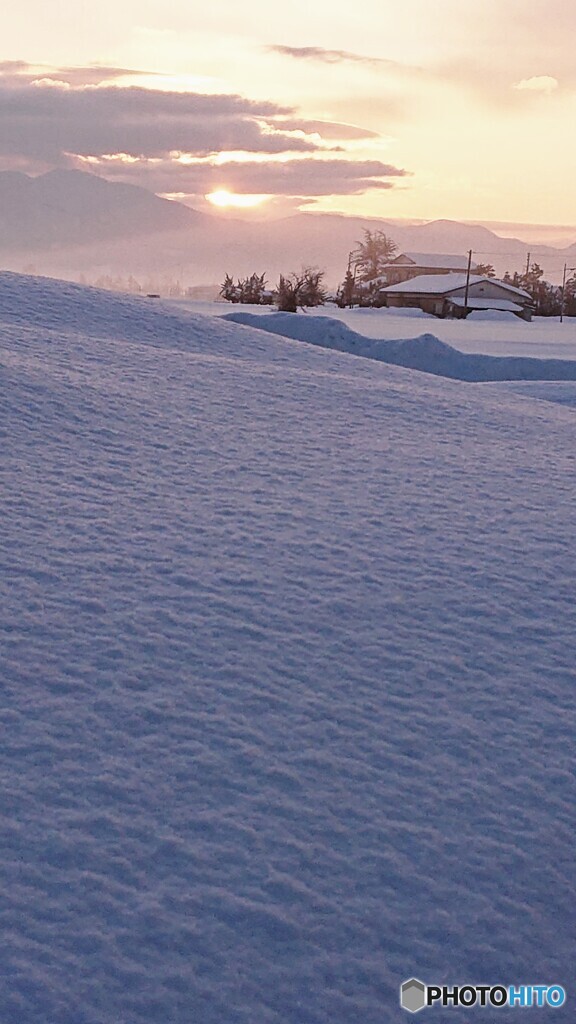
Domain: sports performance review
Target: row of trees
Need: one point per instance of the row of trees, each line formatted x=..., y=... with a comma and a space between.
x=250, y=290
x=292, y=291
x=365, y=265
x=549, y=299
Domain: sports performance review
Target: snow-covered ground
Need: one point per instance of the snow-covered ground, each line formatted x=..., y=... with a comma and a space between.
x=288, y=663
x=490, y=333
x=425, y=352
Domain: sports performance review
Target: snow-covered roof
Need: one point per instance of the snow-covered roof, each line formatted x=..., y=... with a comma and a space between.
x=434, y=284
x=429, y=259
x=443, y=284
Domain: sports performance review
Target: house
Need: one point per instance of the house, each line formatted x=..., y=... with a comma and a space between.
x=413, y=264
x=444, y=295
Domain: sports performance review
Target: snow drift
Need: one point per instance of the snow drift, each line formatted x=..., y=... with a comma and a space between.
x=426, y=352
x=288, y=674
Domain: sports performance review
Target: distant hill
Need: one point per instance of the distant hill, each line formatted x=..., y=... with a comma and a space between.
x=63, y=208
x=438, y=236
x=66, y=223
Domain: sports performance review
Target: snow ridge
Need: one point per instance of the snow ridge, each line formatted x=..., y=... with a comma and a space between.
x=426, y=352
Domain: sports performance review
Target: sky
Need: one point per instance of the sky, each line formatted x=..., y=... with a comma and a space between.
x=423, y=110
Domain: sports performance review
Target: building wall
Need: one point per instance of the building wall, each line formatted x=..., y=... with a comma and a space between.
x=429, y=303
x=488, y=290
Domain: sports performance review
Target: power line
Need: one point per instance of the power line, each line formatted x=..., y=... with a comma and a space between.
x=518, y=254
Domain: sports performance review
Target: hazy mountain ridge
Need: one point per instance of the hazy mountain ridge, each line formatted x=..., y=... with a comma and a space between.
x=65, y=223
x=63, y=207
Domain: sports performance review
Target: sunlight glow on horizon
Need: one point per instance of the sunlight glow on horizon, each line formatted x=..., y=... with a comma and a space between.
x=223, y=198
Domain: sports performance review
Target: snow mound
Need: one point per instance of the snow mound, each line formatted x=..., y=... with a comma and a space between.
x=493, y=315
x=384, y=311
x=288, y=646
x=410, y=314
x=426, y=353
x=31, y=303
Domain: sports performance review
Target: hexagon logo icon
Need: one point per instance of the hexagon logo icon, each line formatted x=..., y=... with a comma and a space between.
x=413, y=995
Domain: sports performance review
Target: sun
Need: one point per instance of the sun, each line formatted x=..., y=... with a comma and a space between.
x=224, y=198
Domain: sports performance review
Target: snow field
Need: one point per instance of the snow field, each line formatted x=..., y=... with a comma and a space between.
x=288, y=661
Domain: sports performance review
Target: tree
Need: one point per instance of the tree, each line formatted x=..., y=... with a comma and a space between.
x=371, y=256
x=532, y=278
x=347, y=291
x=249, y=290
x=542, y=293
x=312, y=292
x=303, y=289
x=252, y=289
x=485, y=270
x=228, y=290
x=547, y=298
x=570, y=297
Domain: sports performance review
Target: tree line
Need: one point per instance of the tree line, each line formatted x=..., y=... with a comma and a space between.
x=366, y=275
x=293, y=291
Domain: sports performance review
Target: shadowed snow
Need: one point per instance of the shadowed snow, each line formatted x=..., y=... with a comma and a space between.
x=288, y=646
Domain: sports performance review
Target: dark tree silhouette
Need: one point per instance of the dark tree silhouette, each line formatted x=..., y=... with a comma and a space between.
x=485, y=270
x=249, y=289
x=371, y=256
x=303, y=289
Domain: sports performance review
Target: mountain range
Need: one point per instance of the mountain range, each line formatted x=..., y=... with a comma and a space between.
x=66, y=222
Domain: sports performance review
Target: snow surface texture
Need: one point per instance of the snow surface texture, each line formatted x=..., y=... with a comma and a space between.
x=427, y=352
x=288, y=648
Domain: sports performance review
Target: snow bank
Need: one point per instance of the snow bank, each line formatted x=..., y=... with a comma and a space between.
x=288, y=647
x=495, y=315
x=427, y=352
x=397, y=311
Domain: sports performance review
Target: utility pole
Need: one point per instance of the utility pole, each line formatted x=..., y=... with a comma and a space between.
x=350, y=280
x=563, y=296
x=467, y=280
x=563, y=292
x=528, y=255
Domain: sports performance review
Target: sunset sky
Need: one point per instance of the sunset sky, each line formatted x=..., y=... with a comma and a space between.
x=421, y=110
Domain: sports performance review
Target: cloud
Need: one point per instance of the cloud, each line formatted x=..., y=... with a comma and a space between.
x=19, y=72
x=319, y=53
x=94, y=75
x=48, y=121
x=538, y=83
x=171, y=141
x=300, y=177
x=327, y=129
